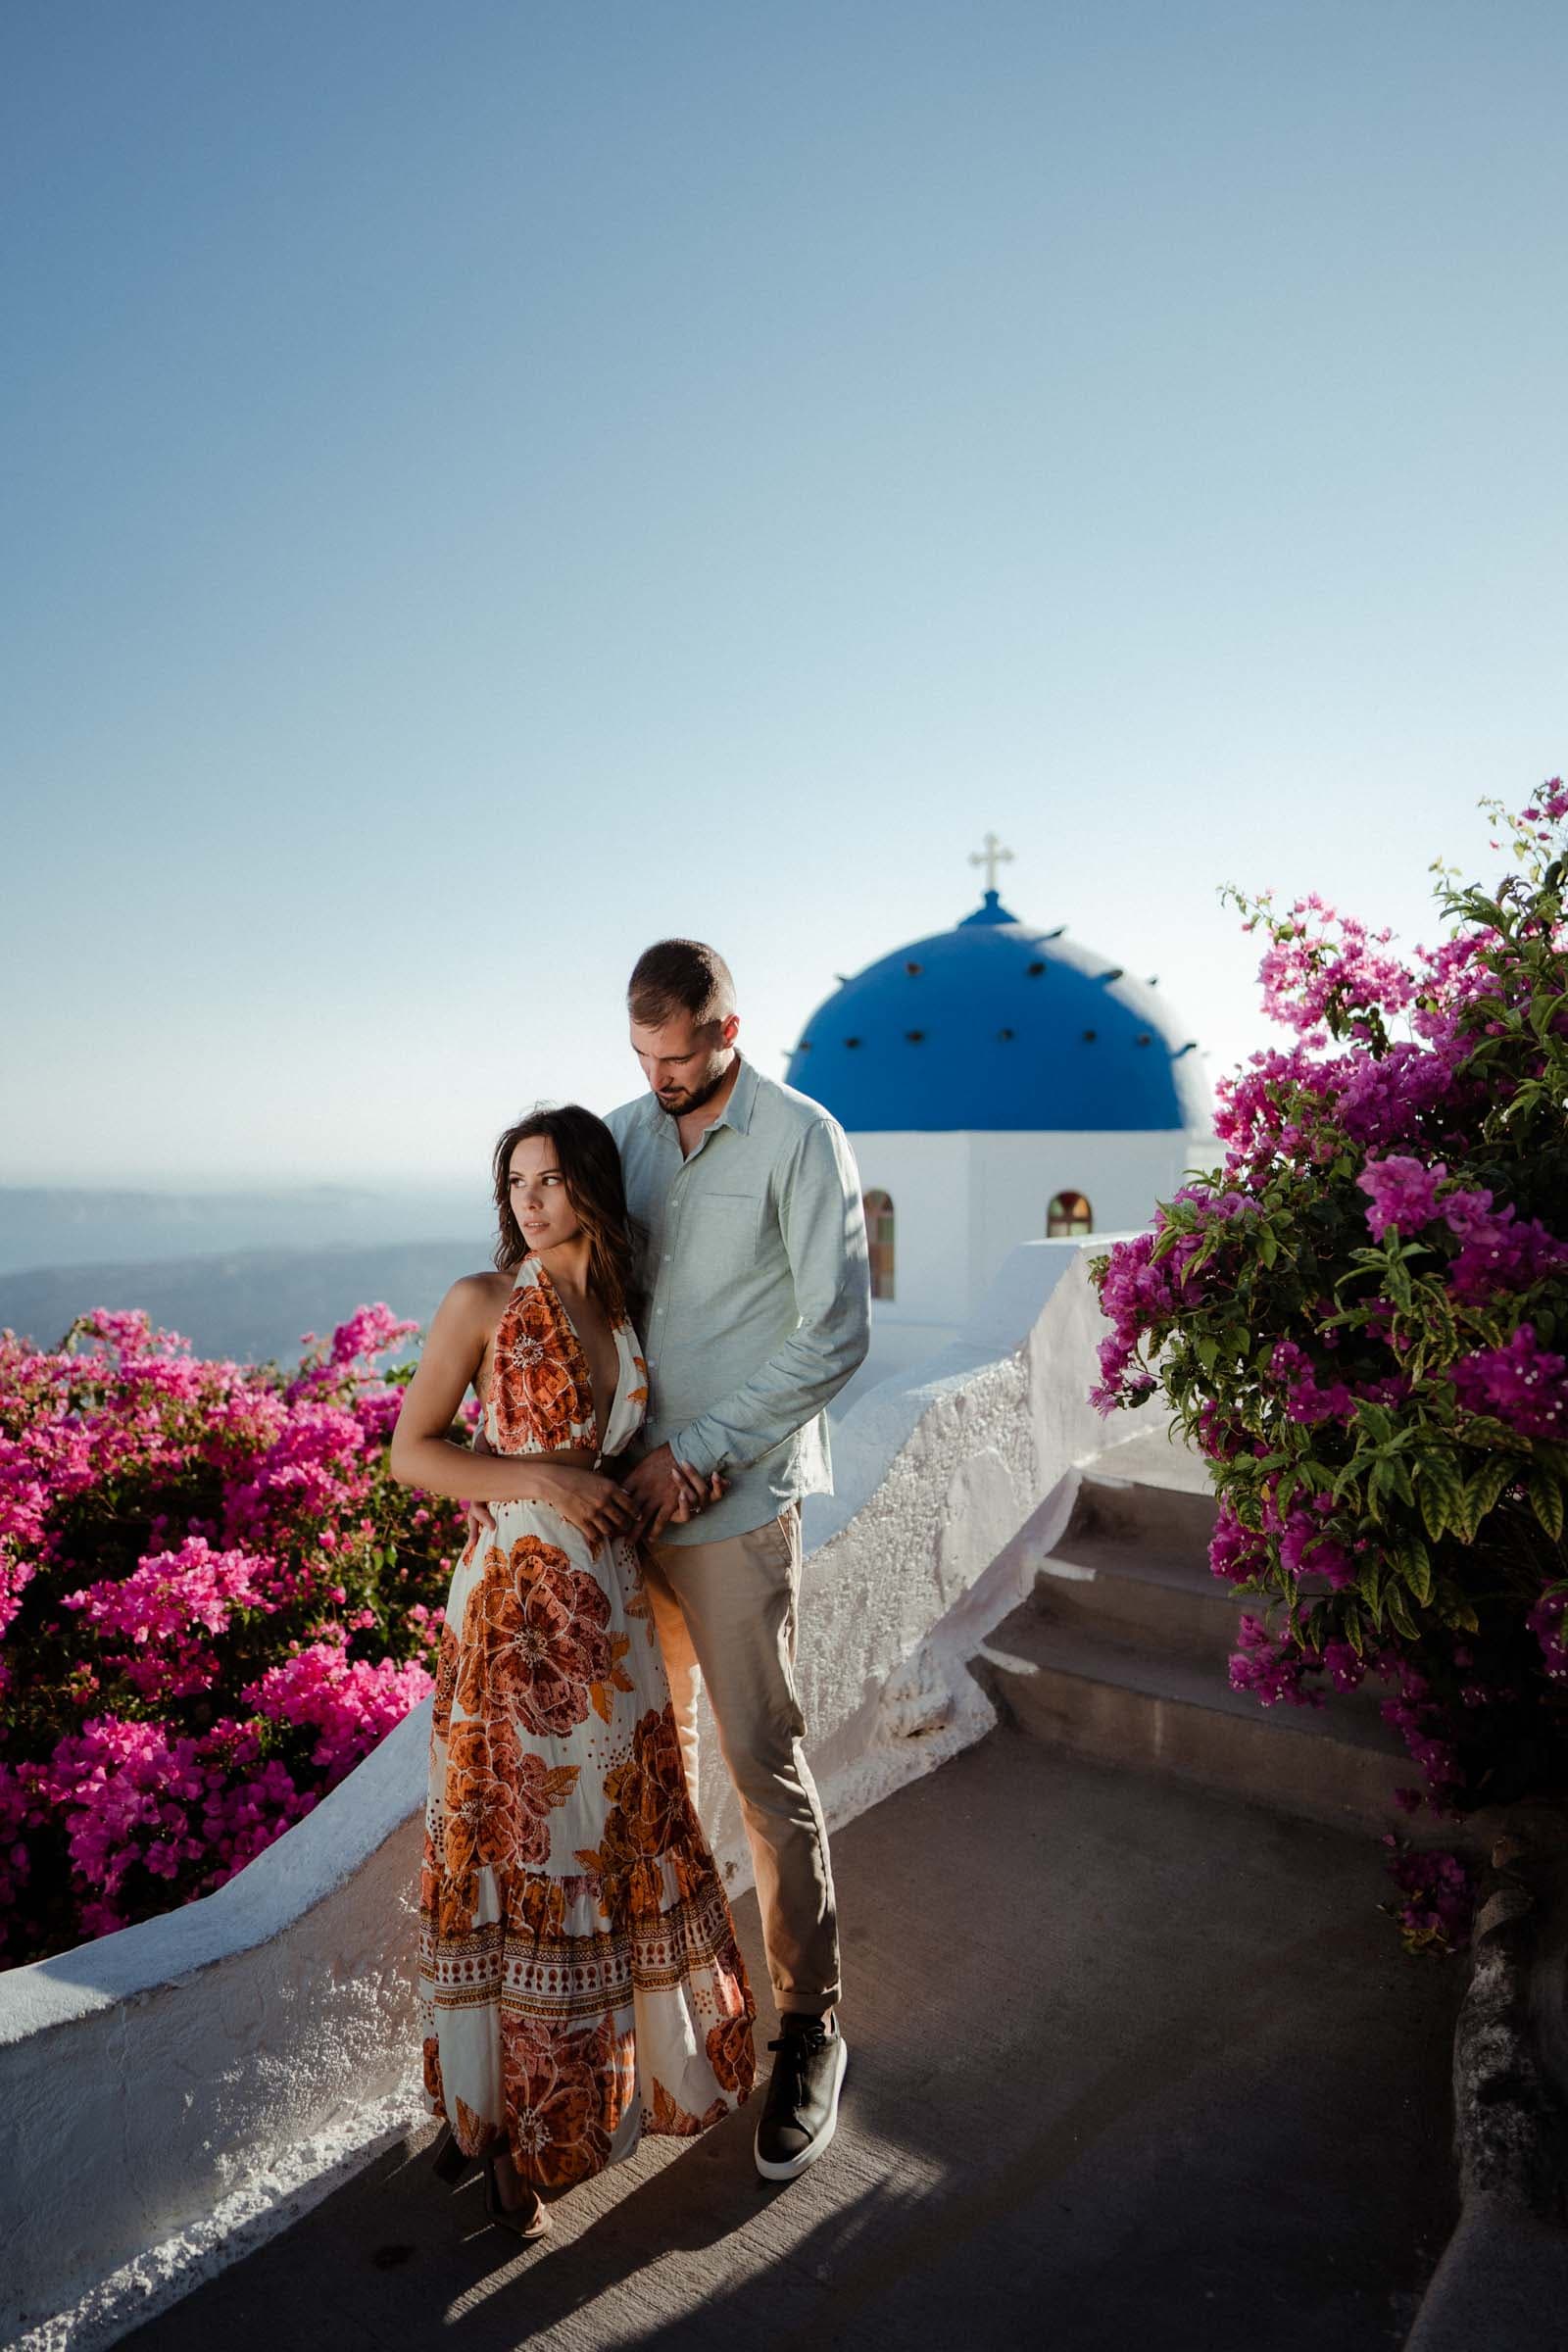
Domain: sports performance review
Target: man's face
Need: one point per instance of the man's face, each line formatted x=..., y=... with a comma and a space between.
x=685, y=1062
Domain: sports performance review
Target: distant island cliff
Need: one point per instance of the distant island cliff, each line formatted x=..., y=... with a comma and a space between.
x=251, y=1306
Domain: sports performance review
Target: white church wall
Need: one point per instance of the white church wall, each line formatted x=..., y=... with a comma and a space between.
x=927, y=1179
x=962, y=1201
x=174, y=2093
x=1012, y=1179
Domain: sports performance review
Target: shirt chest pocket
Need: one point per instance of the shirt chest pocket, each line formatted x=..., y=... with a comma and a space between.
x=727, y=1223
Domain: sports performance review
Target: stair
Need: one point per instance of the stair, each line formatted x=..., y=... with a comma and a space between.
x=1120, y=1654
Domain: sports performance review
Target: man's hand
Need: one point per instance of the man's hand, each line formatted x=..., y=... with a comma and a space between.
x=665, y=1490
x=594, y=1504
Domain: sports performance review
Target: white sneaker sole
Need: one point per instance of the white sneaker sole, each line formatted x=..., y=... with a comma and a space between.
x=794, y=2166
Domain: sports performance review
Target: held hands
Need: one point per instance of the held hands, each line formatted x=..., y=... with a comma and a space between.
x=587, y=1500
x=665, y=1491
x=658, y=1490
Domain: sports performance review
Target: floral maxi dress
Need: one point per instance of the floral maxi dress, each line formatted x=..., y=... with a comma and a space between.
x=580, y=1978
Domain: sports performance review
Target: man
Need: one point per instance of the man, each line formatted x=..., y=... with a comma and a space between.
x=756, y=1312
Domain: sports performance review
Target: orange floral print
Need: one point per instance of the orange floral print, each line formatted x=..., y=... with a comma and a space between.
x=539, y=1789
x=497, y=1802
x=467, y=1783
x=638, y=1606
x=651, y=1810
x=541, y=1387
x=429, y=1873
x=536, y=1905
x=732, y=2053
x=536, y=1642
x=617, y=1678
x=666, y=2115
x=650, y=1820
x=445, y=1683
x=566, y=2094
x=473, y=2132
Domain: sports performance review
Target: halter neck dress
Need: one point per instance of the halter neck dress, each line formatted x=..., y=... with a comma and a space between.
x=579, y=1978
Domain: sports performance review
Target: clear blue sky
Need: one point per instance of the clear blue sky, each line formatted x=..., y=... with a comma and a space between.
x=488, y=485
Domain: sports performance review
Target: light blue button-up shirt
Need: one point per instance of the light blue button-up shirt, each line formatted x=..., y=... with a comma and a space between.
x=757, y=1291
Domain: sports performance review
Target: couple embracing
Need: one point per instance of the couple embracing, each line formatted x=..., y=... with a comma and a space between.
x=680, y=1292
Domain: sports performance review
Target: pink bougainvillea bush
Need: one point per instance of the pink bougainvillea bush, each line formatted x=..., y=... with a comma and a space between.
x=1362, y=1320
x=214, y=1601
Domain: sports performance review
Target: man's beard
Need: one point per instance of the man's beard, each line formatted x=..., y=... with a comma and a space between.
x=695, y=1098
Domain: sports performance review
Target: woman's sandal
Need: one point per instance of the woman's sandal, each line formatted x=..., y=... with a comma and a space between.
x=529, y=2220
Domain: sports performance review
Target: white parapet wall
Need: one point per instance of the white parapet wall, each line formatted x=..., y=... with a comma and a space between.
x=172, y=2094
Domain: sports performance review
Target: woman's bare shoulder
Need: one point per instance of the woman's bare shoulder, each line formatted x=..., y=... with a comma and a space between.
x=477, y=1298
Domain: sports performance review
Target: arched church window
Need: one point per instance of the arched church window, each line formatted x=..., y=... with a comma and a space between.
x=879, y=1242
x=1068, y=1214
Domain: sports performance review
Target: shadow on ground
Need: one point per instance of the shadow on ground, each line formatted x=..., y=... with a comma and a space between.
x=1130, y=2065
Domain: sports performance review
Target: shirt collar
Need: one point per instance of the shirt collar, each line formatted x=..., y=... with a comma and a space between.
x=737, y=1111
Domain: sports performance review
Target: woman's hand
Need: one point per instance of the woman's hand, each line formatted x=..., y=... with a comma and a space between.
x=587, y=1500
x=665, y=1488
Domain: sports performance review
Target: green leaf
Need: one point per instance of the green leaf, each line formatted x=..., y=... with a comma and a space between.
x=1546, y=1499
x=1442, y=1494
x=1415, y=1564
x=1352, y=1469
x=1484, y=1485
x=1399, y=1616
x=1482, y=1429
x=1541, y=1016
x=1368, y=1579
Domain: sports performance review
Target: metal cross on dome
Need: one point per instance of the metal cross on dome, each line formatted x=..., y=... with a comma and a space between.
x=991, y=857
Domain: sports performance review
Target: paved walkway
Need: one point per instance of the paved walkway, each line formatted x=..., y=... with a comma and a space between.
x=1131, y=2066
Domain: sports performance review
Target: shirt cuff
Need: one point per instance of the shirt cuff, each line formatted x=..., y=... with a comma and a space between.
x=688, y=1448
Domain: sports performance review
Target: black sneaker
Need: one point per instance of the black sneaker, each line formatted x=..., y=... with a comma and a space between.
x=801, y=2111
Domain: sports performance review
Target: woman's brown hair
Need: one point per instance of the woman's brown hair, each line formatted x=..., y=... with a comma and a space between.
x=590, y=1163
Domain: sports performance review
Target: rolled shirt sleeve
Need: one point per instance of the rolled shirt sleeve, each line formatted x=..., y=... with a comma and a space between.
x=822, y=1225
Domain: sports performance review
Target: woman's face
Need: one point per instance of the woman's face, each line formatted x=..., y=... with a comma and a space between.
x=540, y=1200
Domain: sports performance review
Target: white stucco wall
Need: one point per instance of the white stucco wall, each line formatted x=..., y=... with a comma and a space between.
x=927, y=1177
x=1014, y=1178
x=169, y=2093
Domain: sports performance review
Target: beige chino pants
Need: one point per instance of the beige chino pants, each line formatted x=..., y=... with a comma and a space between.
x=725, y=1615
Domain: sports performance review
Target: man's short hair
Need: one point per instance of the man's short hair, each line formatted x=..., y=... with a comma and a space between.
x=679, y=975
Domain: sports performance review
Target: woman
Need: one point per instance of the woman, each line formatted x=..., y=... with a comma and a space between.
x=579, y=1977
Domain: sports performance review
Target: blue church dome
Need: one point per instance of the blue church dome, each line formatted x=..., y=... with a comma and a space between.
x=995, y=1026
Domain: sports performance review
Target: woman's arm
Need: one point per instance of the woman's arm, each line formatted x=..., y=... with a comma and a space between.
x=424, y=1456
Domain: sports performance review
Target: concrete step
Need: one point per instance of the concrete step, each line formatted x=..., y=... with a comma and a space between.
x=1166, y=1519
x=1159, y=1709
x=1102, y=1584
x=1131, y=1565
